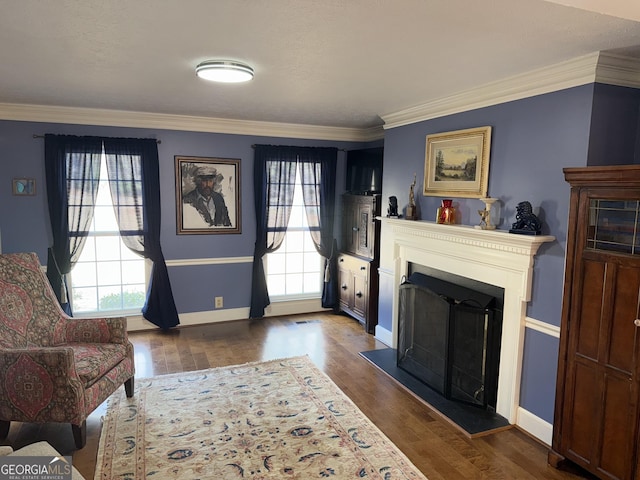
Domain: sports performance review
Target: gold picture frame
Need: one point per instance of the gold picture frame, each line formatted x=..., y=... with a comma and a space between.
x=457, y=163
x=207, y=195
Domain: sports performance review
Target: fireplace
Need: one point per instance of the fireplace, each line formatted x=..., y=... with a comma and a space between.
x=449, y=338
x=492, y=257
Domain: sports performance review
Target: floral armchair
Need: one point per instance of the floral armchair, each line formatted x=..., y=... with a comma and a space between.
x=54, y=368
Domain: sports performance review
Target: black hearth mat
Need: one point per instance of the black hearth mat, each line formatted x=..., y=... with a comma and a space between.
x=473, y=420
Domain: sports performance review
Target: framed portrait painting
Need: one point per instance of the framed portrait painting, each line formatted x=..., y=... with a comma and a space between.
x=457, y=163
x=207, y=195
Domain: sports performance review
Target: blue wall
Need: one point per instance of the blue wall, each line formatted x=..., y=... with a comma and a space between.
x=615, y=123
x=24, y=223
x=539, y=372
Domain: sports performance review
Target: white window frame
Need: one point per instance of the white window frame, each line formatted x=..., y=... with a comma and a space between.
x=112, y=234
x=298, y=202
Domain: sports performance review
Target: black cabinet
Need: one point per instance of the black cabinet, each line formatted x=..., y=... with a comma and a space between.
x=360, y=230
x=358, y=264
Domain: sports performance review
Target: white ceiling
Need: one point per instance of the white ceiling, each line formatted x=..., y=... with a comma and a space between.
x=336, y=63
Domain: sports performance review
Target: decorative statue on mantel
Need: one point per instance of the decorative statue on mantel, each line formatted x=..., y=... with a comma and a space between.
x=411, y=208
x=527, y=223
x=392, y=211
x=485, y=215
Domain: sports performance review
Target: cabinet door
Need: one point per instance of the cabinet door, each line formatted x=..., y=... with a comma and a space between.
x=601, y=391
x=365, y=229
x=349, y=229
x=358, y=224
x=346, y=288
x=360, y=294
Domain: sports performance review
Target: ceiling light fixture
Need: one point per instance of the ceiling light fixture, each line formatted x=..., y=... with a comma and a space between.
x=224, y=71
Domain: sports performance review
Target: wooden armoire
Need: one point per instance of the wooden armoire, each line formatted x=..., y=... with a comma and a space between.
x=597, y=394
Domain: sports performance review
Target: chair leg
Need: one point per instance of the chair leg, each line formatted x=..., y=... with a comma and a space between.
x=80, y=434
x=4, y=429
x=129, y=387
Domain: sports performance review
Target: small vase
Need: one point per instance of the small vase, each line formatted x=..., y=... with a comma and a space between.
x=487, y=215
x=446, y=213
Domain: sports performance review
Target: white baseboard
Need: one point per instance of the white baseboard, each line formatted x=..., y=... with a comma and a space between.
x=138, y=322
x=384, y=336
x=294, y=307
x=535, y=426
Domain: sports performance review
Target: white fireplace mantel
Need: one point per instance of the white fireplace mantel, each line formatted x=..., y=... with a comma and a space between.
x=495, y=257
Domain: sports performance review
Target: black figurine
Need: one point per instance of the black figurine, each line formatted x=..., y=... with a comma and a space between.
x=526, y=221
x=392, y=211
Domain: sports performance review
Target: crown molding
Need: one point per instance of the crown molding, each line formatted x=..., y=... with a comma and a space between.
x=595, y=67
x=119, y=118
x=618, y=70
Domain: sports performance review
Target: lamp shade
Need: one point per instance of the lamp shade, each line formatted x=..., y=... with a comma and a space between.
x=224, y=71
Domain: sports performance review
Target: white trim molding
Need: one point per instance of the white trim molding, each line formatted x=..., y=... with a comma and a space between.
x=618, y=70
x=191, y=262
x=384, y=335
x=138, y=322
x=294, y=307
x=119, y=118
x=542, y=327
x=535, y=426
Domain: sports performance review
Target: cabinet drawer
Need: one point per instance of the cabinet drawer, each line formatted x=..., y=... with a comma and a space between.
x=357, y=266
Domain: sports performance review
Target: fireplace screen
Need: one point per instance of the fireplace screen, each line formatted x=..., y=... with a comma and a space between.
x=449, y=338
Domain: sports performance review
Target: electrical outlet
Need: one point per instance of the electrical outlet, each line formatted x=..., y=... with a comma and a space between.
x=219, y=302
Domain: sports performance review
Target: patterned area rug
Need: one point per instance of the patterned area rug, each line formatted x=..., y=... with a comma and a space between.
x=278, y=419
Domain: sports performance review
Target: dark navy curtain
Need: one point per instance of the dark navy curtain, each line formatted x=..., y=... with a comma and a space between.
x=72, y=169
x=274, y=177
x=274, y=183
x=318, y=178
x=72, y=166
x=134, y=181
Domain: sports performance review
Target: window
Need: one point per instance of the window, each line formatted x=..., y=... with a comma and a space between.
x=294, y=270
x=108, y=277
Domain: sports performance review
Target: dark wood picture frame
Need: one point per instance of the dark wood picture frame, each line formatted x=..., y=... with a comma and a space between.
x=207, y=195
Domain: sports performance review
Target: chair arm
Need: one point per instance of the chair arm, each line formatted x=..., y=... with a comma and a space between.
x=56, y=361
x=96, y=330
x=40, y=384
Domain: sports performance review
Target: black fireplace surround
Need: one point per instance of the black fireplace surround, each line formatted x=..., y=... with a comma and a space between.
x=449, y=338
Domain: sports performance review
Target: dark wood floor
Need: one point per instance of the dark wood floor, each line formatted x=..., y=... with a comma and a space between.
x=438, y=449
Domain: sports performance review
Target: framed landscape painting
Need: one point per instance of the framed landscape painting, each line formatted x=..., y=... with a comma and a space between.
x=207, y=195
x=457, y=163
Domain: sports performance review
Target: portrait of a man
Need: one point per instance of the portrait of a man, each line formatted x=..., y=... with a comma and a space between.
x=207, y=195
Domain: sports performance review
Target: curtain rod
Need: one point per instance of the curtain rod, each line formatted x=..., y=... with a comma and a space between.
x=42, y=136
